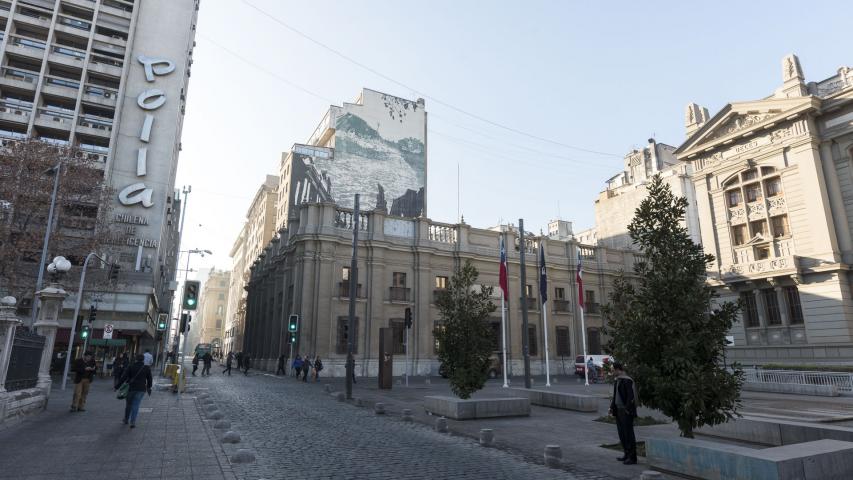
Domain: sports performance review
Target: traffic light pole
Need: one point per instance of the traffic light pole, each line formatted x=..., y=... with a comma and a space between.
x=74, y=318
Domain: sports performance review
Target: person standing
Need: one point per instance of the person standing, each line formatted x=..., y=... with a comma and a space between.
x=84, y=373
x=228, y=361
x=297, y=366
x=138, y=377
x=623, y=406
x=281, y=361
x=592, y=374
x=318, y=365
x=148, y=358
x=195, y=363
x=247, y=363
x=208, y=361
x=239, y=360
x=306, y=368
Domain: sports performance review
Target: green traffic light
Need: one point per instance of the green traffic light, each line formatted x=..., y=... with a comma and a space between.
x=190, y=301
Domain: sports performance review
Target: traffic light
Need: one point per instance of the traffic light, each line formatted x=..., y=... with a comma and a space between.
x=191, y=288
x=185, y=322
x=161, y=321
x=114, y=268
x=293, y=323
x=408, y=318
x=84, y=333
x=93, y=313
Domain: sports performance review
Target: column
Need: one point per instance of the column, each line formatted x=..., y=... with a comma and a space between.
x=760, y=309
x=783, y=305
x=48, y=322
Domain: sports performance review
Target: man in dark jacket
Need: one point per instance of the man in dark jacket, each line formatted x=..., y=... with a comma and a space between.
x=228, y=360
x=138, y=376
x=623, y=406
x=208, y=361
x=195, y=363
x=281, y=363
x=247, y=363
x=84, y=373
x=239, y=357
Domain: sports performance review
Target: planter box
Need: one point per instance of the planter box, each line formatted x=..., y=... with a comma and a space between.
x=776, y=432
x=458, y=409
x=793, y=388
x=562, y=400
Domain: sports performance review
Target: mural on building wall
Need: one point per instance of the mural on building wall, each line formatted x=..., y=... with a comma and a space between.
x=379, y=152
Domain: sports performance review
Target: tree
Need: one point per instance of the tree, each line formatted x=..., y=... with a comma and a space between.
x=668, y=328
x=81, y=213
x=464, y=338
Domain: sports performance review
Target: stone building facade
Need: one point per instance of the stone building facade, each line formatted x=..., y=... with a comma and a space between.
x=212, y=307
x=774, y=188
x=403, y=263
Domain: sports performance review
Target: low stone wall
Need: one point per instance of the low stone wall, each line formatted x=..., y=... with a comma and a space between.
x=561, y=400
x=793, y=388
x=21, y=402
x=818, y=460
x=776, y=432
x=458, y=409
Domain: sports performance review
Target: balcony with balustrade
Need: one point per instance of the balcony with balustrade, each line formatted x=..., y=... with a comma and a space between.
x=15, y=111
x=60, y=87
x=95, y=125
x=100, y=95
x=26, y=47
x=19, y=78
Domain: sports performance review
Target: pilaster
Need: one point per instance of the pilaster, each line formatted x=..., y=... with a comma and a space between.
x=51, y=299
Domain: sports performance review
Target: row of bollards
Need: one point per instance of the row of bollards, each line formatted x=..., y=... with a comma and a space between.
x=241, y=455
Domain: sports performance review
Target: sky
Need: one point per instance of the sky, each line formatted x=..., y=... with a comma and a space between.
x=531, y=105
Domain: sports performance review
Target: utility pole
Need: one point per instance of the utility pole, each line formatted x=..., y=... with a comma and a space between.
x=525, y=337
x=57, y=170
x=353, y=291
x=186, y=191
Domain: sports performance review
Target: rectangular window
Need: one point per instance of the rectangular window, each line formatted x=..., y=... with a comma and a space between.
x=436, y=327
x=528, y=289
x=563, y=342
x=345, y=274
x=780, y=226
x=762, y=253
x=222, y=296
x=441, y=282
x=589, y=296
x=758, y=227
x=753, y=192
x=739, y=234
x=773, y=187
x=750, y=311
x=399, y=328
x=771, y=302
x=734, y=198
x=343, y=335
x=531, y=340
x=559, y=293
x=496, y=334
x=795, y=309
x=399, y=280
x=749, y=175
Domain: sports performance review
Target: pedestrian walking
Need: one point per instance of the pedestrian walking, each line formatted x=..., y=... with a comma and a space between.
x=281, y=364
x=195, y=363
x=623, y=406
x=138, y=378
x=148, y=358
x=297, y=366
x=318, y=365
x=592, y=372
x=306, y=368
x=228, y=361
x=118, y=370
x=84, y=373
x=239, y=360
x=208, y=360
x=247, y=363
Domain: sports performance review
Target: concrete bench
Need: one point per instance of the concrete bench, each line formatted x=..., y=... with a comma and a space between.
x=458, y=409
x=818, y=460
x=562, y=400
x=792, y=388
x=776, y=432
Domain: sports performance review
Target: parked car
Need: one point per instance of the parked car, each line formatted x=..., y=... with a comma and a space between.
x=495, y=367
x=597, y=360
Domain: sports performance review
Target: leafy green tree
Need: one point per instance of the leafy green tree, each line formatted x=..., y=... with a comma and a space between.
x=464, y=337
x=667, y=327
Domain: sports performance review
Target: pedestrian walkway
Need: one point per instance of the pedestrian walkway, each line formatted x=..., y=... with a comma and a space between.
x=170, y=441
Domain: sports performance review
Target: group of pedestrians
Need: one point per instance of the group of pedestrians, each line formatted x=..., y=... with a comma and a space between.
x=206, y=360
x=303, y=367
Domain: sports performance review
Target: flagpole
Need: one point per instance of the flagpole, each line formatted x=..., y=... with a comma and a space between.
x=582, y=307
x=503, y=334
x=583, y=336
x=543, y=292
x=545, y=326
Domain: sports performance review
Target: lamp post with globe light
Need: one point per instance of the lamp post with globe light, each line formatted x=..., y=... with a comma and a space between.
x=51, y=299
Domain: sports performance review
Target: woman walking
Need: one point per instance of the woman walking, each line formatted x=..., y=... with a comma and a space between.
x=138, y=377
x=318, y=365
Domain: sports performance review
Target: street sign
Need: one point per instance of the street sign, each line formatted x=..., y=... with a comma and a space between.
x=108, y=331
x=730, y=340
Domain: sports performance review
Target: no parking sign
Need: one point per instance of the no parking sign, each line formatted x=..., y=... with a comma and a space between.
x=108, y=331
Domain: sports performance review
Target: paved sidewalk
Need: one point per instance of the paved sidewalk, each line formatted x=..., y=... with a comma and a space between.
x=170, y=441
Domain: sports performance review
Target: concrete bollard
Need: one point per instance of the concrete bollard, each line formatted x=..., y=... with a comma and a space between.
x=651, y=475
x=243, y=456
x=441, y=425
x=407, y=415
x=222, y=425
x=341, y=396
x=553, y=456
x=328, y=388
x=230, y=437
x=487, y=437
x=379, y=408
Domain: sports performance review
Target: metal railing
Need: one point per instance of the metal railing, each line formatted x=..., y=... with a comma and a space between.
x=400, y=294
x=843, y=381
x=562, y=305
x=69, y=52
x=22, y=75
x=101, y=91
x=62, y=82
x=27, y=42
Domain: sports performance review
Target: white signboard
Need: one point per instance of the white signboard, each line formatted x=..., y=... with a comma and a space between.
x=730, y=340
x=108, y=331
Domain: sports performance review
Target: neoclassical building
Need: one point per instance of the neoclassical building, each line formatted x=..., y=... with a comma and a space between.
x=404, y=263
x=774, y=188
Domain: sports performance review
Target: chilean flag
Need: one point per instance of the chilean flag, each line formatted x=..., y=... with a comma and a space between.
x=503, y=275
x=580, y=281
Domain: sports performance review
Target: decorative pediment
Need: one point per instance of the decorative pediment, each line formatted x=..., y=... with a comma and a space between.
x=740, y=122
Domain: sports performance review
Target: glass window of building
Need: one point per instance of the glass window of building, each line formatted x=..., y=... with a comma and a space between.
x=531, y=340
x=734, y=197
x=750, y=310
x=399, y=279
x=795, y=309
x=771, y=301
x=559, y=293
x=773, y=187
x=762, y=253
x=739, y=234
x=758, y=227
x=780, y=226
x=441, y=282
x=753, y=192
x=563, y=342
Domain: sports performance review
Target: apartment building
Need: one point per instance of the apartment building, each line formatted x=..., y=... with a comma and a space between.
x=109, y=77
x=212, y=305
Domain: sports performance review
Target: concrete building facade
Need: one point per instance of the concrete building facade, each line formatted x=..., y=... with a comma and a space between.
x=774, y=188
x=109, y=77
x=212, y=308
x=404, y=263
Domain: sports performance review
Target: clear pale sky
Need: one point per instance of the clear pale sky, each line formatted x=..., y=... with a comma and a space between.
x=603, y=76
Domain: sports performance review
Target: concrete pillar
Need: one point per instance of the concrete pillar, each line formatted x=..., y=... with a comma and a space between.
x=48, y=322
x=8, y=323
x=783, y=305
x=760, y=308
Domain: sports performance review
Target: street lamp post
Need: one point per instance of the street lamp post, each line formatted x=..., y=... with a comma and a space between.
x=186, y=333
x=36, y=302
x=76, y=313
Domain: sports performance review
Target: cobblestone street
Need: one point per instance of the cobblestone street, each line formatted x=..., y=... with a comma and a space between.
x=299, y=431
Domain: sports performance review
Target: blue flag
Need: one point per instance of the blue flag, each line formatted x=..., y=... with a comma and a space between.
x=543, y=277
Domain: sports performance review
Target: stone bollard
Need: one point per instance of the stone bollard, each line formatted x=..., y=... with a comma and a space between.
x=407, y=415
x=487, y=437
x=553, y=456
x=243, y=456
x=328, y=388
x=441, y=425
x=222, y=425
x=341, y=396
x=651, y=475
x=230, y=437
x=379, y=408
